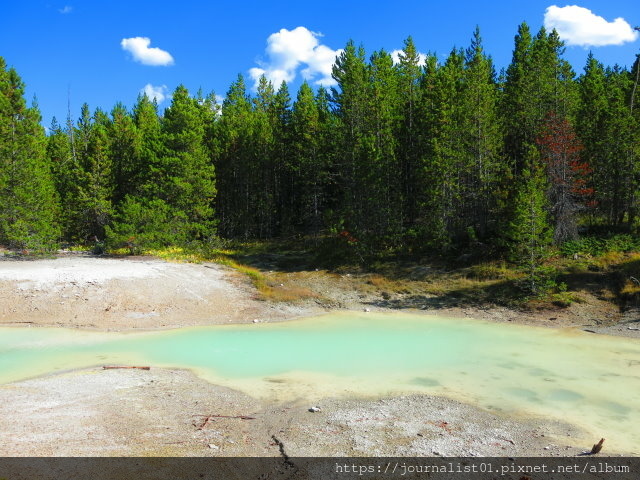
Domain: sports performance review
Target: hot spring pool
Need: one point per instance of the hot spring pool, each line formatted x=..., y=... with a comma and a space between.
x=590, y=380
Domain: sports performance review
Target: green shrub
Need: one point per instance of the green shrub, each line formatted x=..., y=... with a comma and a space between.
x=141, y=225
x=538, y=281
x=596, y=246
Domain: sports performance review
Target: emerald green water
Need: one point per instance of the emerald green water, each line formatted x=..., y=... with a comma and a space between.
x=589, y=380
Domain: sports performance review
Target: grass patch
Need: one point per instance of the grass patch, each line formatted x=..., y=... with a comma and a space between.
x=630, y=289
x=499, y=270
x=287, y=294
x=379, y=282
x=189, y=255
x=608, y=259
x=564, y=299
x=78, y=248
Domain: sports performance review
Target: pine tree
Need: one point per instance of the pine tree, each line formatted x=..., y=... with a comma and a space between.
x=305, y=169
x=444, y=156
x=235, y=168
x=261, y=175
x=28, y=217
x=93, y=208
x=427, y=229
x=408, y=135
x=381, y=172
x=529, y=231
x=143, y=223
x=64, y=171
x=170, y=198
x=591, y=124
x=618, y=193
x=143, y=219
x=187, y=175
x=325, y=162
x=124, y=148
x=519, y=122
x=349, y=100
x=481, y=140
x=282, y=151
x=538, y=82
x=148, y=174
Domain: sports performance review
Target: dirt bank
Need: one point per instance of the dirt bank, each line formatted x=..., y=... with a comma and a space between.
x=162, y=412
x=81, y=291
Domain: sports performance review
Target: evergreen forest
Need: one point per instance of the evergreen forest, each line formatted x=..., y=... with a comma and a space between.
x=410, y=157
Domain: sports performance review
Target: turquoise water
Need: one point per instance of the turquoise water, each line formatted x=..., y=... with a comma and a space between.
x=590, y=380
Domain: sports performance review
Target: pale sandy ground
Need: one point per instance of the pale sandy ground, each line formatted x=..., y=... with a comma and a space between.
x=81, y=291
x=160, y=412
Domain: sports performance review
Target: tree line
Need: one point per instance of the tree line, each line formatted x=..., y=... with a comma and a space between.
x=413, y=156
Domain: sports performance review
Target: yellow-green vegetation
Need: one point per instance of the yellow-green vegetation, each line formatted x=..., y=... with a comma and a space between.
x=287, y=271
x=382, y=283
x=631, y=288
x=499, y=270
x=270, y=286
x=181, y=254
x=221, y=256
x=564, y=299
x=78, y=248
x=610, y=275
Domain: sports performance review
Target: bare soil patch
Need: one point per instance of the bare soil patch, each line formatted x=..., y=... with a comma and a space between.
x=163, y=412
x=81, y=291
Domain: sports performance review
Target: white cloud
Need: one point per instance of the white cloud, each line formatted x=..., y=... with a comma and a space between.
x=275, y=75
x=140, y=51
x=580, y=26
x=395, y=55
x=289, y=50
x=159, y=93
x=66, y=9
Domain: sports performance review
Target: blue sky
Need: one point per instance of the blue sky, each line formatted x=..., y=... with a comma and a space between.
x=96, y=49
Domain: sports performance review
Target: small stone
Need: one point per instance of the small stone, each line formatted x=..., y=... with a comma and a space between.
x=435, y=452
x=213, y=447
x=546, y=448
x=367, y=309
x=255, y=320
x=315, y=409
